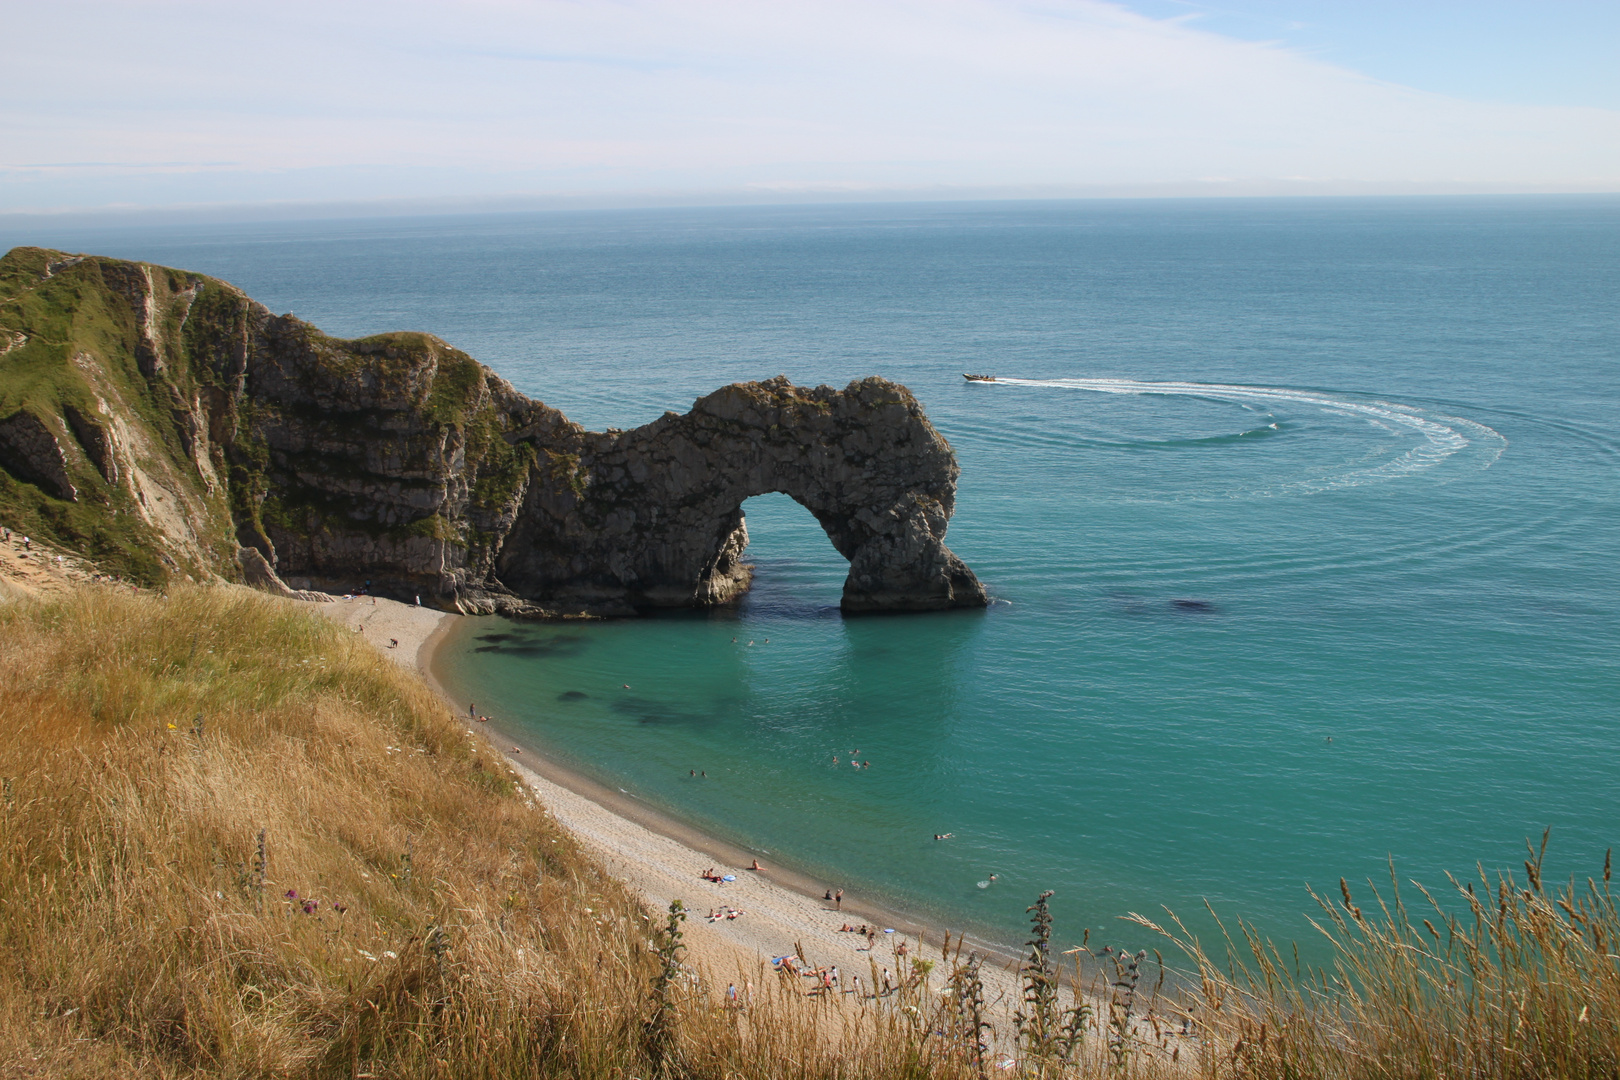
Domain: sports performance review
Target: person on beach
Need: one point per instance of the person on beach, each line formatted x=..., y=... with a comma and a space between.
x=871, y=938
x=828, y=896
x=472, y=709
x=838, y=899
x=756, y=866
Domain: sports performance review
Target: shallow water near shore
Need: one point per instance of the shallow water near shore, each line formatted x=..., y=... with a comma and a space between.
x=1301, y=518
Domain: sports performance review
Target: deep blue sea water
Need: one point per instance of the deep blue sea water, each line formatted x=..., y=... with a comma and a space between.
x=1302, y=516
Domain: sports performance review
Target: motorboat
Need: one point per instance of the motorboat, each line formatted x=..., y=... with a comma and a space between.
x=978, y=378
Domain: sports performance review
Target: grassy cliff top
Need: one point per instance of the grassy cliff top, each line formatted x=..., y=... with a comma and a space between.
x=236, y=841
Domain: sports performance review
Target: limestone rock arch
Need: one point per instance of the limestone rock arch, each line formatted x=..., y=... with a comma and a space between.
x=652, y=517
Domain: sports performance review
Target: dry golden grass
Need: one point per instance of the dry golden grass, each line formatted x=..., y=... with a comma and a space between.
x=412, y=913
x=1494, y=978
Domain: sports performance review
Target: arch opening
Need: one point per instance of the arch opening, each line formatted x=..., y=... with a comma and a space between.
x=794, y=568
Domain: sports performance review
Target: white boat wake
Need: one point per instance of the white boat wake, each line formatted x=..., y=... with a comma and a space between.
x=1441, y=437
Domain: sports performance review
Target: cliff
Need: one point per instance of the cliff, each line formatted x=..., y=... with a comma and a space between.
x=162, y=423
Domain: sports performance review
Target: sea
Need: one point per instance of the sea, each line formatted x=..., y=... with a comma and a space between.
x=1300, y=518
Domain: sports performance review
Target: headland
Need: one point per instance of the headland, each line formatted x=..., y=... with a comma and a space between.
x=164, y=424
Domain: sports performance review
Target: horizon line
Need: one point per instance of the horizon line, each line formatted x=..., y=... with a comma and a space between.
x=779, y=195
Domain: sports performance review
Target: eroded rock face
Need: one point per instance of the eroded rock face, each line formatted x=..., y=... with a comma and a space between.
x=30, y=450
x=276, y=454
x=652, y=517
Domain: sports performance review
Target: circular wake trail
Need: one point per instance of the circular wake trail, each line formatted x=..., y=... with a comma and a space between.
x=1441, y=436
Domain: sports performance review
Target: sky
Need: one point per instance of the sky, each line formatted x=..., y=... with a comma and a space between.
x=148, y=103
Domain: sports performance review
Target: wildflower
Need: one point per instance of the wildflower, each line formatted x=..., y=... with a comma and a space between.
x=311, y=906
x=292, y=894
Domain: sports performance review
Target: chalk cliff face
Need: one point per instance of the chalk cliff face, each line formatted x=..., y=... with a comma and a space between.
x=180, y=418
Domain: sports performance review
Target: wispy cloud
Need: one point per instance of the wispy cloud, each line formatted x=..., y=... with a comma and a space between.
x=434, y=99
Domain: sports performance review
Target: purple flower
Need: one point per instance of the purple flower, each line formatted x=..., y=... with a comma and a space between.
x=292, y=894
x=311, y=906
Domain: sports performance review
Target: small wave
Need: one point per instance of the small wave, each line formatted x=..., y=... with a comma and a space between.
x=1442, y=436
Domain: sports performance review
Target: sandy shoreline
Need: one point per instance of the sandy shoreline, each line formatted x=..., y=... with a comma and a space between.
x=663, y=859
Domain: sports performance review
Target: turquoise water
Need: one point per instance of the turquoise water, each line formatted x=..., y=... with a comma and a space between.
x=1271, y=474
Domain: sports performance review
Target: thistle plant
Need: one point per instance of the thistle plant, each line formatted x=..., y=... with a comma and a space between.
x=1048, y=1034
x=1127, y=974
x=968, y=1009
x=659, y=1030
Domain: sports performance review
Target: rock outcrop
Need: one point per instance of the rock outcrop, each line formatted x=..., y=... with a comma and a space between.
x=251, y=445
x=30, y=450
x=652, y=517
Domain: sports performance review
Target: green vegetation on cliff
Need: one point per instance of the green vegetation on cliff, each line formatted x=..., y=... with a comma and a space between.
x=67, y=336
x=155, y=421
